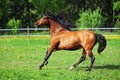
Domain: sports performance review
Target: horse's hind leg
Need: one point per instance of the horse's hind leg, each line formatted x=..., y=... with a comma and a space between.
x=92, y=59
x=83, y=57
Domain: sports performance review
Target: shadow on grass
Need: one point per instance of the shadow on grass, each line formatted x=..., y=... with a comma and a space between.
x=111, y=67
x=107, y=67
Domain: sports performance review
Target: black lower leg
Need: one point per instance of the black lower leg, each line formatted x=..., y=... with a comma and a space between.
x=45, y=60
x=91, y=65
x=81, y=60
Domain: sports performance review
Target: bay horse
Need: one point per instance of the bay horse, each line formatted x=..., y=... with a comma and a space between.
x=65, y=39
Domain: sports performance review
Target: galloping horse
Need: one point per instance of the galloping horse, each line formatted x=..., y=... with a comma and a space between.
x=64, y=39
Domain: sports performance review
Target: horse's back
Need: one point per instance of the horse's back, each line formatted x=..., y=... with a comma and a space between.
x=86, y=34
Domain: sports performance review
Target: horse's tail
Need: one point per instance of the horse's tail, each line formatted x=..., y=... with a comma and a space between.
x=102, y=42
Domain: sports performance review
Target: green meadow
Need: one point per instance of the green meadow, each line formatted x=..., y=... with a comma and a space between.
x=20, y=61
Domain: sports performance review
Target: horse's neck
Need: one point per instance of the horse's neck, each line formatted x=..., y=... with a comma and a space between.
x=55, y=27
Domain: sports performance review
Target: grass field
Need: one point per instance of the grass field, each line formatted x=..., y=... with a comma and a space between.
x=20, y=60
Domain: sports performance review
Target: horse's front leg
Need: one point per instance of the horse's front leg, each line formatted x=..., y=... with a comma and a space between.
x=48, y=54
x=45, y=62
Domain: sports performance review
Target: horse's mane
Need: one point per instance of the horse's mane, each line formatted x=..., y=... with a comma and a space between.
x=61, y=19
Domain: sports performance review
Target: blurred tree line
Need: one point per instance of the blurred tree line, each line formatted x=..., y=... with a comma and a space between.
x=20, y=13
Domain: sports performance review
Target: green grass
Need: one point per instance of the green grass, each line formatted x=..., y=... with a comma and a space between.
x=20, y=60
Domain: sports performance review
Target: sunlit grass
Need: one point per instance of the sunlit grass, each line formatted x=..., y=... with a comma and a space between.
x=20, y=61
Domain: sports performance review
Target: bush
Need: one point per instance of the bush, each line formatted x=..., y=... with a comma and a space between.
x=14, y=24
x=90, y=19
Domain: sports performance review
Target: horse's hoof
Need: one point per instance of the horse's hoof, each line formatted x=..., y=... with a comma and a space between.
x=40, y=68
x=71, y=68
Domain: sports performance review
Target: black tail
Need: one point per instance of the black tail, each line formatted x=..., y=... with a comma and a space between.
x=102, y=42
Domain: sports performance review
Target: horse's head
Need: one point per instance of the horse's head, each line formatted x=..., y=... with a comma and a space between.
x=48, y=18
x=45, y=19
x=42, y=21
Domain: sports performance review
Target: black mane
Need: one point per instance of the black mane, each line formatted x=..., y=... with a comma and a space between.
x=61, y=19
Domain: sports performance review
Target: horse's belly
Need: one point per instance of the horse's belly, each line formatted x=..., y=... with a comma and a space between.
x=67, y=46
x=69, y=41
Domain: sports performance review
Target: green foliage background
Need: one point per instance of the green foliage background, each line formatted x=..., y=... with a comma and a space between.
x=14, y=24
x=28, y=11
x=90, y=19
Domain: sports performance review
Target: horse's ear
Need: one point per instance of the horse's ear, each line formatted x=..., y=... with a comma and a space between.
x=49, y=13
x=45, y=13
